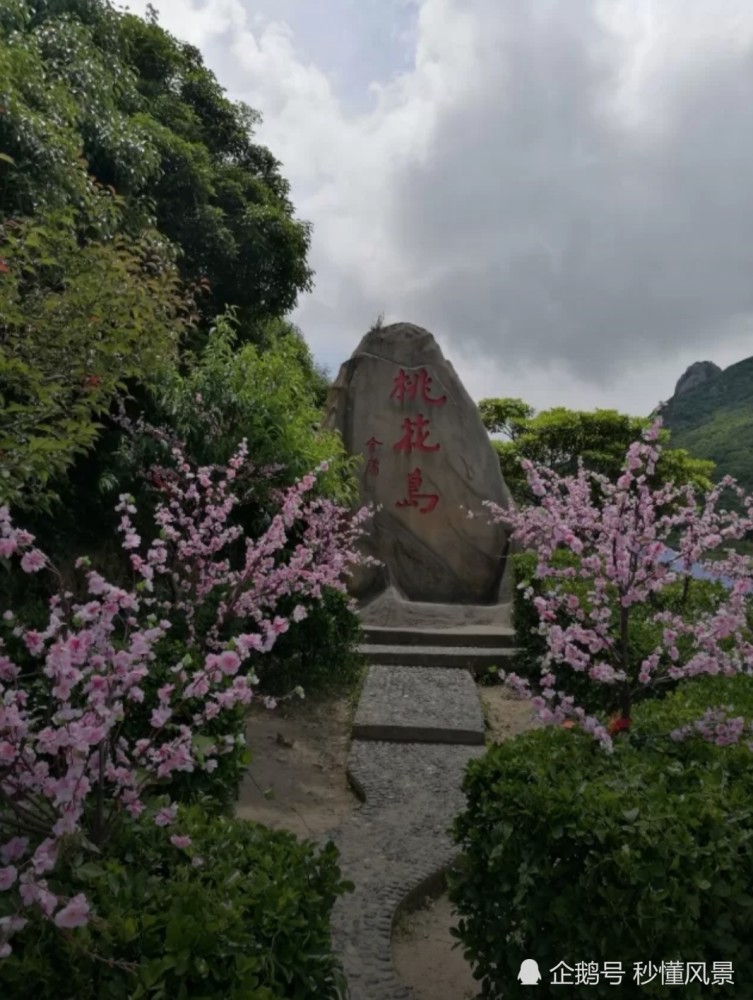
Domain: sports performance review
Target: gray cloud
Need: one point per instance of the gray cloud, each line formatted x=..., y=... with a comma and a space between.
x=559, y=189
x=555, y=230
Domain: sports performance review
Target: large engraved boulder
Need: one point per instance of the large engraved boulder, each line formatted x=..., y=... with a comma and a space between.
x=427, y=461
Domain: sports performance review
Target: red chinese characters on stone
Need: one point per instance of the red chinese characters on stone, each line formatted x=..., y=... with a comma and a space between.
x=415, y=435
x=415, y=482
x=372, y=463
x=406, y=387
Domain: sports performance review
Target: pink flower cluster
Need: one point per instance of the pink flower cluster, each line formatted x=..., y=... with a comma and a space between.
x=66, y=767
x=717, y=726
x=620, y=534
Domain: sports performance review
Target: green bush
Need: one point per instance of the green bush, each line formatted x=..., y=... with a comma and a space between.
x=319, y=653
x=76, y=322
x=573, y=855
x=216, y=791
x=657, y=719
x=250, y=923
x=269, y=396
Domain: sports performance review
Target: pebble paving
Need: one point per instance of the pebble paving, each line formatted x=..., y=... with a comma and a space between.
x=398, y=842
x=394, y=844
x=419, y=705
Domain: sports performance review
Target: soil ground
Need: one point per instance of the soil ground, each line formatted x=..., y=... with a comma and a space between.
x=297, y=777
x=297, y=781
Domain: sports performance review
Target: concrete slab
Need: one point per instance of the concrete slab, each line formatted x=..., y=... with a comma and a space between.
x=419, y=705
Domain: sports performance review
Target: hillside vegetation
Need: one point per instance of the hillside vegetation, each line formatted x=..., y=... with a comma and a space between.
x=715, y=421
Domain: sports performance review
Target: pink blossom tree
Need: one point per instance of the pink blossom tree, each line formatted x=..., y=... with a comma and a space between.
x=620, y=535
x=68, y=768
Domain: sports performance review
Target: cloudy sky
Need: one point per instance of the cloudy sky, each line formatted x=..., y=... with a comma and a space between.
x=560, y=190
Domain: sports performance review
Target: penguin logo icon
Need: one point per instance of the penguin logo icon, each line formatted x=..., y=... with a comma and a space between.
x=529, y=974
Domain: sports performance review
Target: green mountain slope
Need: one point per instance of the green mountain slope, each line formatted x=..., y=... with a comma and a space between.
x=715, y=420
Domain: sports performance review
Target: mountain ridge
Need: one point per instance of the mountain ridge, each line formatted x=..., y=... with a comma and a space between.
x=713, y=417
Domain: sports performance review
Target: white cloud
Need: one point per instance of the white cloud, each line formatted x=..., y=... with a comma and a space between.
x=559, y=189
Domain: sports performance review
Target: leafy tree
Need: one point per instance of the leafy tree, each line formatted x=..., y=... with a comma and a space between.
x=506, y=416
x=224, y=391
x=75, y=323
x=88, y=90
x=269, y=396
x=558, y=438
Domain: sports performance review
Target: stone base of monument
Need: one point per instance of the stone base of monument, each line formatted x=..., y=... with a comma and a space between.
x=437, y=636
x=438, y=655
x=389, y=608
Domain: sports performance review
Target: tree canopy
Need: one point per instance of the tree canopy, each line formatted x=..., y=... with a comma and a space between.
x=87, y=92
x=135, y=207
x=559, y=438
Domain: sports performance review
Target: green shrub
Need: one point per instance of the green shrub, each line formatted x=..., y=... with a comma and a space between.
x=268, y=396
x=689, y=701
x=76, y=322
x=216, y=791
x=319, y=653
x=573, y=855
x=251, y=923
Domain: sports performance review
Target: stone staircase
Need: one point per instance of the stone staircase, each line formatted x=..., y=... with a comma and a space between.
x=417, y=726
x=474, y=648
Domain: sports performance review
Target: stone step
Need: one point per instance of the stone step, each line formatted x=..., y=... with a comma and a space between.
x=479, y=636
x=438, y=657
x=419, y=705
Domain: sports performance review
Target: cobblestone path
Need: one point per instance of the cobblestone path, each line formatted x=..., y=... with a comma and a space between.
x=415, y=731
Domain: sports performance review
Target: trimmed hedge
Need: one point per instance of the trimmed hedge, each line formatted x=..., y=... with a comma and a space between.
x=645, y=855
x=250, y=923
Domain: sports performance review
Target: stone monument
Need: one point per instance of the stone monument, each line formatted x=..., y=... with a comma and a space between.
x=427, y=460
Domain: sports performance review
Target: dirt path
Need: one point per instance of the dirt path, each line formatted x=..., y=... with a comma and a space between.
x=297, y=779
x=428, y=958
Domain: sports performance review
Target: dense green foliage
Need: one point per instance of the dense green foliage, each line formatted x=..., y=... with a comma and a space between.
x=715, y=421
x=250, y=922
x=507, y=416
x=319, y=653
x=123, y=167
x=269, y=395
x=221, y=393
x=89, y=91
x=573, y=855
x=148, y=256
x=559, y=438
x=76, y=321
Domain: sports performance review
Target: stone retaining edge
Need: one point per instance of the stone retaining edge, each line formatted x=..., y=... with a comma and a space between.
x=384, y=733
